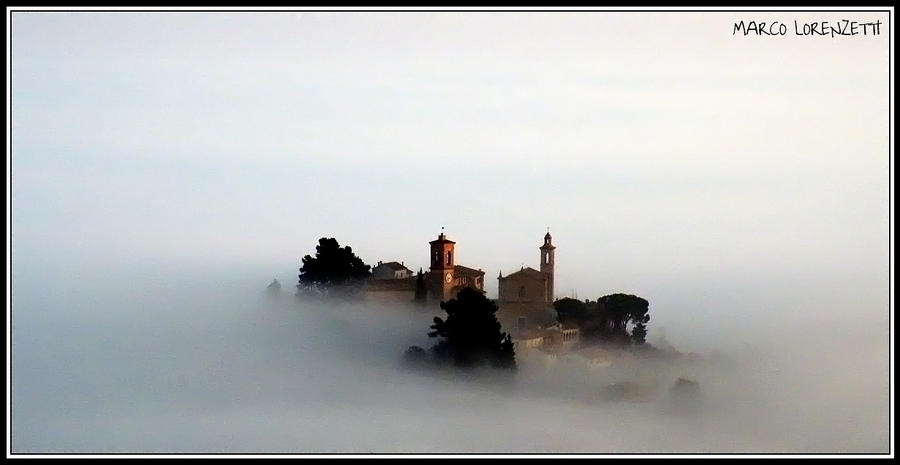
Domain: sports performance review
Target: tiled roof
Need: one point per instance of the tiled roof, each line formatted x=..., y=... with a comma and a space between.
x=394, y=266
x=462, y=271
x=526, y=272
x=442, y=238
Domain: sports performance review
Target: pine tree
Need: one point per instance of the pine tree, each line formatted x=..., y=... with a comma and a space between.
x=471, y=336
x=333, y=266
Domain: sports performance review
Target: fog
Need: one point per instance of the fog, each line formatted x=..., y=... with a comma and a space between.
x=208, y=363
x=165, y=166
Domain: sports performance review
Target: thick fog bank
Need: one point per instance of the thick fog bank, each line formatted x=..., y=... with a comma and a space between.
x=216, y=366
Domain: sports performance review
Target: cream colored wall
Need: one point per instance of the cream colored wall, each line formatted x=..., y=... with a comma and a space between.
x=535, y=289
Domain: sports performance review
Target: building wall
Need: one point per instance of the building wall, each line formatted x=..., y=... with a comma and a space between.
x=442, y=261
x=548, y=260
x=468, y=281
x=521, y=345
x=535, y=314
x=439, y=288
x=386, y=272
x=382, y=272
x=526, y=289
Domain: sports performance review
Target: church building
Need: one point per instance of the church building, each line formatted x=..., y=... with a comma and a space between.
x=526, y=296
x=393, y=282
x=445, y=278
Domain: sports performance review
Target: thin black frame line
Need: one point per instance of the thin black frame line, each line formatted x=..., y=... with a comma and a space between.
x=442, y=11
x=890, y=213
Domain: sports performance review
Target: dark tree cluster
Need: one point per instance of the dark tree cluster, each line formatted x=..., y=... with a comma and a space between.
x=685, y=398
x=469, y=337
x=607, y=318
x=334, y=270
x=421, y=288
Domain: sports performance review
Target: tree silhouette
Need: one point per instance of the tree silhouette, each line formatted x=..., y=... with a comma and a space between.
x=591, y=317
x=421, y=287
x=639, y=332
x=415, y=357
x=332, y=267
x=607, y=318
x=471, y=336
x=569, y=310
x=625, y=308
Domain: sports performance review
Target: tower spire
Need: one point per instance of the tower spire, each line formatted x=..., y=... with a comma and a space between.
x=547, y=263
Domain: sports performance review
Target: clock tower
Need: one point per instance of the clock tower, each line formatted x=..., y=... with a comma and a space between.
x=441, y=279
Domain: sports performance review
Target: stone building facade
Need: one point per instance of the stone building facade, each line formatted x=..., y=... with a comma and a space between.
x=445, y=278
x=390, y=290
x=391, y=270
x=393, y=282
x=526, y=297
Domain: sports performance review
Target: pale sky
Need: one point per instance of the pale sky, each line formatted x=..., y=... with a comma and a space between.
x=166, y=166
x=664, y=153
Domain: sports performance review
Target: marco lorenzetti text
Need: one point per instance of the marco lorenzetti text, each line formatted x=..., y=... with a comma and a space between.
x=843, y=27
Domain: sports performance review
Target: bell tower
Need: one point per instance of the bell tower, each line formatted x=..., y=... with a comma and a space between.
x=441, y=270
x=547, y=261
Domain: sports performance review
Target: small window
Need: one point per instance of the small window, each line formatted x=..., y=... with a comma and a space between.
x=449, y=258
x=521, y=322
x=522, y=291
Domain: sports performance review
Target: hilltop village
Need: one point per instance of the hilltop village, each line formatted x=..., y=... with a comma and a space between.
x=539, y=329
x=525, y=297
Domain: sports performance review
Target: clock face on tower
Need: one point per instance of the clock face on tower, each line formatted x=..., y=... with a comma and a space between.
x=448, y=278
